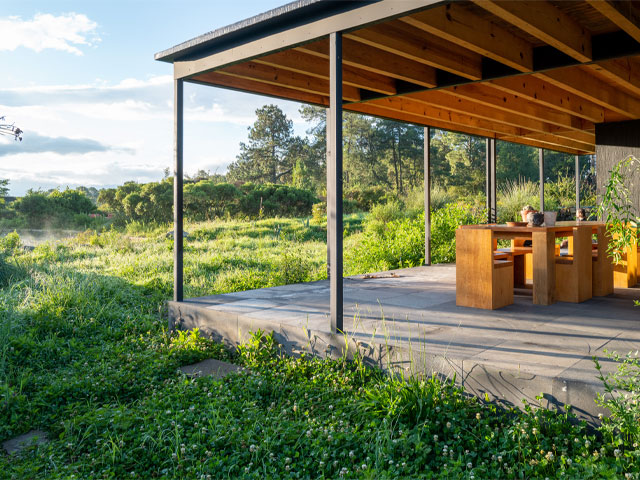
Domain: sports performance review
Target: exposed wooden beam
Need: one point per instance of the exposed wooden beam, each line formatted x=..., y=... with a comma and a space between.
x=449, y=100
x=554, y=140
x=284, y=78
x=625, y=15
x=508, y=102
x=624, y=72
x=401, y=39
x=551, y=96
x=311, y=65
x=407, y=117
x=585, y=137
x=436, y=112
x=457, y=24
x=545, y=22
x=378, y=61
x=579, y=81
x=532, y=142
x=251, y=86
x=376, y=111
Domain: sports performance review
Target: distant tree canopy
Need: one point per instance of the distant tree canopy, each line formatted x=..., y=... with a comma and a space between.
x=204, y=200
x=379, y=153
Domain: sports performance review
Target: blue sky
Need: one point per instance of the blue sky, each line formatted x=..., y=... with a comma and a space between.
x=80, y=79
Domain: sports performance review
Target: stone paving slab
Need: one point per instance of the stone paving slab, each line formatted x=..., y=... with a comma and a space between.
x=522, y=349
x=19, y=443
x=210, y=367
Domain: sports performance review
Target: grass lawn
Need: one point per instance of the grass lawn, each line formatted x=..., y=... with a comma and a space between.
x=84, y=356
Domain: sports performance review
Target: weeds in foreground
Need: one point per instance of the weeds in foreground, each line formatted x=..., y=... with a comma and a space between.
x=85, y=357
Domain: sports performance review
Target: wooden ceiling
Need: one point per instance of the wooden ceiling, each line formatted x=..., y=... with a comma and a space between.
x=540, y=73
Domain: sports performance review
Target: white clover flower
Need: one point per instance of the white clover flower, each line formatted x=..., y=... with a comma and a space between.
x=478, y=416
x=500, y=458
x=363, y=466
x=435, y=438
x=252, y=448
x=534, y=431
x=448, y=424
x=469, y=465
x=351, y=453
x=617, y=452
x=549, y=456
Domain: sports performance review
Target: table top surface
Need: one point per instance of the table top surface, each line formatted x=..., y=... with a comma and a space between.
x=558, y=227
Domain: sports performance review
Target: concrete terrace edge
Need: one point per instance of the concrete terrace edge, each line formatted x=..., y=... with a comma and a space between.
x=504, y=386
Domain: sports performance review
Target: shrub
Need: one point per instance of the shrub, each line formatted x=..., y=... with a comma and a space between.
x=514, y=195
x=444, y=223
x=275, y=200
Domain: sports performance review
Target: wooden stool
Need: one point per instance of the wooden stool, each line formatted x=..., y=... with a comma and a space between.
x=602, y=275
x=482, y=281
x=574, y=273
x=625, y=272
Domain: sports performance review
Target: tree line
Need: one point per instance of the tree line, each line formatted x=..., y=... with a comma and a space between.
x=280, y=173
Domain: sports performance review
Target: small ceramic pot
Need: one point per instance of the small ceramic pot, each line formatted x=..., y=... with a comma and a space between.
x=535, y=219
x=550, y=218
x=524, y=214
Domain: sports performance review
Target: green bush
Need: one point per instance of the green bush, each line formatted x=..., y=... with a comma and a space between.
x=364, y=199
x=269, y=200
x=515, y=194
x=444, y=223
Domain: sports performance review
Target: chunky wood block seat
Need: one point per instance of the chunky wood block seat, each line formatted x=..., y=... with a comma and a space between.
x=574, y=277
x=520, y=256
x=625, y=272
x=602, y=275
x=484, y=278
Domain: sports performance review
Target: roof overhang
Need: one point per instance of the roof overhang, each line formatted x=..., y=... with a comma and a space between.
x=540, y=73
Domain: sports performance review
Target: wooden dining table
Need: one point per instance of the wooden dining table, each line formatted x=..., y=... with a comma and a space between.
x=543, y=252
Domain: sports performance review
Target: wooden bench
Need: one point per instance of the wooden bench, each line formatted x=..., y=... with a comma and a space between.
x=625, y=272
x=574, y=278
x=484, y=277
x=602, y=283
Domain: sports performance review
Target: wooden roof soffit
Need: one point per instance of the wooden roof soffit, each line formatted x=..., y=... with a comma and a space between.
x=579, y=81
x=409, y=42
x=545, y=22
x=626, y=15
x=371, y=59
x=457, y=24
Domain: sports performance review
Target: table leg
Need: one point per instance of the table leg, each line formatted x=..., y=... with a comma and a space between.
x=544, y=267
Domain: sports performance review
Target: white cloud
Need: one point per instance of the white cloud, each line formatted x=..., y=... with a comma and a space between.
x=45, y=31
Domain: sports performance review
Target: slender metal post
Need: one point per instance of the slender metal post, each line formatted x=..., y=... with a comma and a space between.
x=577, y=184
x=427, y=196
x=490, y=179
x=493, y=208
x=334, y=187
x=487, y=177
x=541, y=167
x=329, y=177
x=178, y=247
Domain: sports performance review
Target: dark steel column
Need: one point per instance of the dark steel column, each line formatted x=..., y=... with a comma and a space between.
x=328, y=162
x=577, y=184
x=490, y=180
x=334, y=187
x=541, y=169
x=178, y=249
x=427, y=196
x=493, y=211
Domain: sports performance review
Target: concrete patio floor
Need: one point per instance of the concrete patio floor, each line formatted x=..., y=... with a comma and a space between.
x=407, y=319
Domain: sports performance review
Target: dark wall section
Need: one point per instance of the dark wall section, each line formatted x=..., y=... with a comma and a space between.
x=615, y=142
